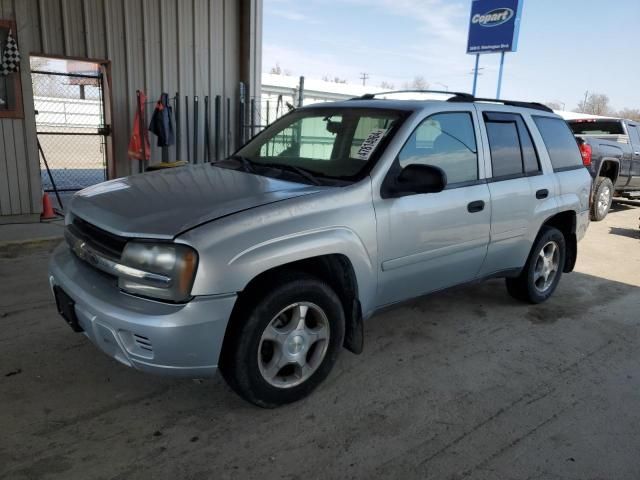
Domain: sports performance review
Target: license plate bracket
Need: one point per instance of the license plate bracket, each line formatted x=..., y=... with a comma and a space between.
x=67, y=308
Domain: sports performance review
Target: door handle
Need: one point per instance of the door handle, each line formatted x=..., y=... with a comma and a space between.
x=476, y=206
x=540, y=194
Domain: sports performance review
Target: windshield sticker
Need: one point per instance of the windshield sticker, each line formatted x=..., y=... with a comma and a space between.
x=370, y=143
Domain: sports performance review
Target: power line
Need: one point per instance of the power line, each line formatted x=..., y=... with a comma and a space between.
x=364, y=77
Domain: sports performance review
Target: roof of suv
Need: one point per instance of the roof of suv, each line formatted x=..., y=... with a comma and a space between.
x=381, y=100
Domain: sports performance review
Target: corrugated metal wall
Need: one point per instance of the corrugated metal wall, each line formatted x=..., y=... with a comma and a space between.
x=196, y=47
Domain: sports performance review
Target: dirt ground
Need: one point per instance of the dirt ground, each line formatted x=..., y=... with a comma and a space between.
x=463, y=384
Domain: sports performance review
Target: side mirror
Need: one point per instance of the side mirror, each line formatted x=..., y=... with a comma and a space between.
x=416, y=178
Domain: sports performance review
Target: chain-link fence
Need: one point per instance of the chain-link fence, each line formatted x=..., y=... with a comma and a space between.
x=69, y=123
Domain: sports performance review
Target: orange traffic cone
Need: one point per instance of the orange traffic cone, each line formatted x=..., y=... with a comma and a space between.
x=47, y=209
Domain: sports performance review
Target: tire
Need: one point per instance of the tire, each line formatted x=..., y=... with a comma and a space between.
x=267, y=333
x=529, y=286
x=602, y=198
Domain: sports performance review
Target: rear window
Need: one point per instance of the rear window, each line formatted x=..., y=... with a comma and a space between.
x=561, y=144
x=596, y=127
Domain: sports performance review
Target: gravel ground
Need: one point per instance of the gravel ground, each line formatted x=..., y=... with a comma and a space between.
x=466, y=383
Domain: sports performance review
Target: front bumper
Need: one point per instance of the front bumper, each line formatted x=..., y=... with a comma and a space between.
x=156, y=337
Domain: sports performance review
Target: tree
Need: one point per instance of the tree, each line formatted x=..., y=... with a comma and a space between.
x=277, y=70
x=595, y=104
x=630, y=114
x=387, y=85
x=554, y=105
x=335, y=79
x=418, y=83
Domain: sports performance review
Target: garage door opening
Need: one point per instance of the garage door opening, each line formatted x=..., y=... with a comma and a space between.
x=71, y=122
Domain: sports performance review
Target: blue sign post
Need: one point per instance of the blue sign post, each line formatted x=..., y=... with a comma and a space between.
x=493, y=28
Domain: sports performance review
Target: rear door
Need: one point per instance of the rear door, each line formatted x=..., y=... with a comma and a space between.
x=521, y=193
x=634, y=138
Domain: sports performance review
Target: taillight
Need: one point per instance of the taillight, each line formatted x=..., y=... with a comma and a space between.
x=585, y=151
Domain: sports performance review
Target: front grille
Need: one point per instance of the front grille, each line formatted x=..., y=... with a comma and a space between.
x=107, y=243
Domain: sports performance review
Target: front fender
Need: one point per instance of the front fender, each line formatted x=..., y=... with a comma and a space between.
x=233, y=275
x=276, y=252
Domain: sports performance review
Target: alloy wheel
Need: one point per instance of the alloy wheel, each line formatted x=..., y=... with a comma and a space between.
x=547, y=265
x=293, y=345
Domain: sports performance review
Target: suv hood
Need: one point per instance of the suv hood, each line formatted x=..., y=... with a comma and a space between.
x=166, y=203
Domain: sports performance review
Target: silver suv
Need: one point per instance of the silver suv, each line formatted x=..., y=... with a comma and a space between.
x=265, y=264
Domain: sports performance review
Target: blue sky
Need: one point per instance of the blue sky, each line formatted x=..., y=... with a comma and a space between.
x=566, y=47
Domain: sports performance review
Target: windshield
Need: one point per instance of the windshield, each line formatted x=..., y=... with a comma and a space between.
x=320, y=144
x=596, y=127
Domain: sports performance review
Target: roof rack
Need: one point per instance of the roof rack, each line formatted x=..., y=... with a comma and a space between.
x=370, y=96
x=513, y=103
x=462, y=97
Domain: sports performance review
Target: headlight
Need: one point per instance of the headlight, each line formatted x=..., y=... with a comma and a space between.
x=159, y=270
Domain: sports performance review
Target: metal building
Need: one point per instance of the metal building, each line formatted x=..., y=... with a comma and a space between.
x=194, y=47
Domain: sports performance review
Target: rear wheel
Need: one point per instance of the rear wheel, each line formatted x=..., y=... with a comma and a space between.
x=286, y=342
x=602, y=198
x=543, y=270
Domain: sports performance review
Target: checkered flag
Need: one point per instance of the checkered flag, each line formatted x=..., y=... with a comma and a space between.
x=10, y=56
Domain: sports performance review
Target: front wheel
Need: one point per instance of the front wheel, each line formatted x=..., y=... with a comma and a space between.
x=543, y=270
x=285, y=342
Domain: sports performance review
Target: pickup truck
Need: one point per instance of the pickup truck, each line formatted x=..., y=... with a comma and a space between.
x=610, y=149
x=265, y=264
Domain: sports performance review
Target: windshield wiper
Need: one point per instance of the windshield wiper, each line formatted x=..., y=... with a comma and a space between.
x=302, y=172
x=247, y=165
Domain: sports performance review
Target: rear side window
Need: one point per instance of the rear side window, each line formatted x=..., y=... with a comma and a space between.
x=560, y=142
x=512, y=151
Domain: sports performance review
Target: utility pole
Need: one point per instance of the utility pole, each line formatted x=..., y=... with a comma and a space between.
x=584, y=104
x=364, y=77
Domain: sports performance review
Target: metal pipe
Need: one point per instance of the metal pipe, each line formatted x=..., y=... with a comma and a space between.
x=195, y=128
x=206, y=129
x=301, y=92
x=186, y=116
x=143, y=138
x=178, y=126
x=228, y=142
x=253, y=117
x=241, y=115
x=217, y=128
x=500, y=75
x=475, y=75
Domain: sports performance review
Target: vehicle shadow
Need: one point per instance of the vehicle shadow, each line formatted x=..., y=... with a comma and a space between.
x=624, y=204
x=625, y=232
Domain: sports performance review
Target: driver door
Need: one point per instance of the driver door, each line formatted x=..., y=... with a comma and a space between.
x=432, y=241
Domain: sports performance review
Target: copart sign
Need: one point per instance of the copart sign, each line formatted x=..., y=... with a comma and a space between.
x=493, y=26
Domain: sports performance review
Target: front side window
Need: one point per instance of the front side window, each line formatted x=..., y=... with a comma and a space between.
x=328, y=143
x=560, y=142
x=513, y=153
x=445, y=140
